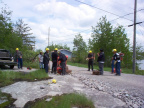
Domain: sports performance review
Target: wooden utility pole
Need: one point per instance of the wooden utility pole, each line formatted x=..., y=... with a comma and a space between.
x=134, y=38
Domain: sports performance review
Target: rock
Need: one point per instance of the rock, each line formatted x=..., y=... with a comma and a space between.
x=99, y=88
x=135, y=106
x=115, y=94
x=48, y=99
x=42, y=87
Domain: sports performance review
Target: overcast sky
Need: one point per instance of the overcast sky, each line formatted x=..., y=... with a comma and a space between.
x=66, y=18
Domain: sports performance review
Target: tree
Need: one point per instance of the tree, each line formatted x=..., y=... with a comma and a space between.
x=8, y=38
x=80, y=49
x=23, y=31
x=106, y=37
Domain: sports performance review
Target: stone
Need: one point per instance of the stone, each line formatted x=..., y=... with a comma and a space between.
x=42, y=87
x=48, y=99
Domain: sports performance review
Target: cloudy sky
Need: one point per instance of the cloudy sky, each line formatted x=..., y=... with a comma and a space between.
x=66, y=18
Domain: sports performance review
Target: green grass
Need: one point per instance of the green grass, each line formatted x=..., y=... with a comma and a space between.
x=124, y=70
x=31, y=64
x=64, y=101
x=9, y=77
x=10, y=100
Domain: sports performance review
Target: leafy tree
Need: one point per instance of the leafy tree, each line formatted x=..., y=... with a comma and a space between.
x=80, y=49
x=8, y=38
x=23, y=31
x=106, y=37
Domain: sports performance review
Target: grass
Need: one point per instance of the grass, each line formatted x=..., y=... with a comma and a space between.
x=64, y=101
x=9, y=102
x=32, y=64
x=9, y=77
x=124, y=70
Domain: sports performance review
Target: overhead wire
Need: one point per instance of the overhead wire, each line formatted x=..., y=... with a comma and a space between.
x=104, y=11
x=101, y=9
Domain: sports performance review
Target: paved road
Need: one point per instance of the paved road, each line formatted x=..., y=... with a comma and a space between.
x=107, y=91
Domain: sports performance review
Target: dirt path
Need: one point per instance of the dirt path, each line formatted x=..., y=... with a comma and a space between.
x=107, y=91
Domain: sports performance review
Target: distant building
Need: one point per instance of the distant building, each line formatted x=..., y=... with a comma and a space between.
x=66, y=52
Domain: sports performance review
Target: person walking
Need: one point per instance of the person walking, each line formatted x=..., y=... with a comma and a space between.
x=101, y=60
x=63, y=59
x=54, y=60
x=40, y=56
x=18, y=58
x=90, y=60
x=46, y=60
x=116, y=58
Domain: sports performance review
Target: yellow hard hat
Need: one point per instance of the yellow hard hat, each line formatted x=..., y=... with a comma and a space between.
x=114, y=50
x=90, y=51
x=56, y=49
x=47, y=49
x=17, y=49
x=54, y=81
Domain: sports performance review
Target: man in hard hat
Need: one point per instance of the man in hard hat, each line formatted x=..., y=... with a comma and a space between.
x=63, y=59
x=18, y=58
x=90, y=60
x=46, y=60
x=116, y=58
x=101, y=60
x=40, y=56
x=54, y=60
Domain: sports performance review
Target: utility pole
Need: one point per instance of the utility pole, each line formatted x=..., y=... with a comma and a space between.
x=134, y=36
x=48, y=35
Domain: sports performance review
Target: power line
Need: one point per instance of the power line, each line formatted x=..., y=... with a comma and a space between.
x=101, y=9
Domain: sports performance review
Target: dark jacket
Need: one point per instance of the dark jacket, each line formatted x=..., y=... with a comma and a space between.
x=54, y=56
x=101, y=57
x=46, y=58
x=62, y=57
x=89, y=56
x=116, y=57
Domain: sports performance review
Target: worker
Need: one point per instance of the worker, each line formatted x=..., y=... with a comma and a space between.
x=46, y=60
x=40, y=56
x=116, y=58
x=54, y=60
x=63, y=59
x=90, y=60
x=101, y=60
x=18, y=58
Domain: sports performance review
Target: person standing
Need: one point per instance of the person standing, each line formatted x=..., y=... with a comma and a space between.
x=46, y=60
x=54, y=60
x=40, y=56
x=116, y=58
x=101, y=60
x=63, y=59
x=90, y=60
x=18, y=58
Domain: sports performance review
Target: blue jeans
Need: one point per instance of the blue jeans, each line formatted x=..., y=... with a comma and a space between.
x=41, y=65
x=46, y=67
x=20, y=63
x=112, y=66
x=118, y=68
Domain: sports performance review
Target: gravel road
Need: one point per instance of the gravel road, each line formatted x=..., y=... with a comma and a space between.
x=128, y=87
